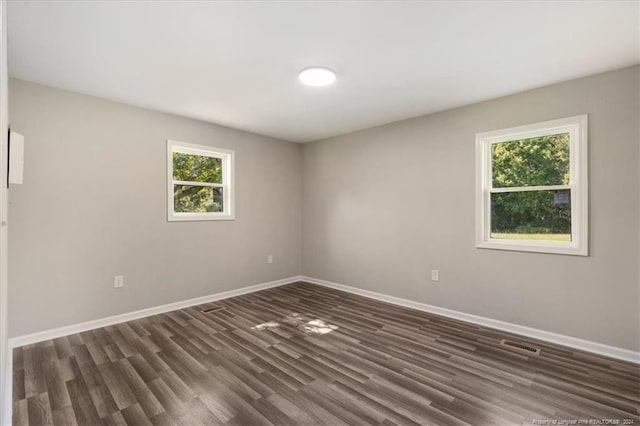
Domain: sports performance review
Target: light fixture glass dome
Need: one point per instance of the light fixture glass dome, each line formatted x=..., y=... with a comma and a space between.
x=317, y=76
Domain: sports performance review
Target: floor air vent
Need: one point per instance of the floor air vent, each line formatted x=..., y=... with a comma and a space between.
x=214, y=309
x=520, y=347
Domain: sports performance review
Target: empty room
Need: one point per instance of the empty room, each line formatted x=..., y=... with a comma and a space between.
x=319, y=212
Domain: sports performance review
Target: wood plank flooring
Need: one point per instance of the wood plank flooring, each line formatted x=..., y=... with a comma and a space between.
x=303, y=354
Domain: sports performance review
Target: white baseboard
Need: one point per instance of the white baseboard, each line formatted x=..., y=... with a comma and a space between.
x=7, y=411
x=41, y=336
x=572, y=342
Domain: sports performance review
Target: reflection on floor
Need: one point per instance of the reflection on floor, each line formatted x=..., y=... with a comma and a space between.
x=301, y=322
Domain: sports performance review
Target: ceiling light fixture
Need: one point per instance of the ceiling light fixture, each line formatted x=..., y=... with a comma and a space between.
x=317, y=76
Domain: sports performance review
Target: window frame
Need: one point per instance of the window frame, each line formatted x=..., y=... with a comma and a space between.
x=228, y=197
x=578, y=186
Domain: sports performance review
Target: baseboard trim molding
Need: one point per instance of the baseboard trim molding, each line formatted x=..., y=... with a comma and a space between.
x=8, y=390
x=560, y=339
x=41, y=336
x=7, y=411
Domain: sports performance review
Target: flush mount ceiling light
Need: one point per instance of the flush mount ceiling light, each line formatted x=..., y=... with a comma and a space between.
x=317, y=76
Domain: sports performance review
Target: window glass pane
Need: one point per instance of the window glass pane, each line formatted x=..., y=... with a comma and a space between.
x=531, y=215
x=536, y=161
x=196, y=168
x=197, y=199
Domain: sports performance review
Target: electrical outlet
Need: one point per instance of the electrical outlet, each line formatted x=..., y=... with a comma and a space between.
x=270, y=258
x=435, y=275
x=118, y=281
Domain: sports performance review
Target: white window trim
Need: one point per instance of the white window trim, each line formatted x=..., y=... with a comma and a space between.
x=578, y=184
x=228, y=181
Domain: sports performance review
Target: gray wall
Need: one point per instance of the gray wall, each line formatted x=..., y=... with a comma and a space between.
x=93, y=205
x=380, y=207
x=384, y=206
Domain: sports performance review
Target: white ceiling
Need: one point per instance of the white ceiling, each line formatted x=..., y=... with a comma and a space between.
x=235, y=63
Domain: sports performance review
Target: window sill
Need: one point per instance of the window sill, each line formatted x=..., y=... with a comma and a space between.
x=571, y=249
x=190, y=217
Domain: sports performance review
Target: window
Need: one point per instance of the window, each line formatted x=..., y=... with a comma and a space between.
x=200, y=182
x=531, y=190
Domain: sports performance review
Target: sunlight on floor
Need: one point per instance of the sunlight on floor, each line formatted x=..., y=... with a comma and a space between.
x=319, y=327
x=267, y=325
x=301, y=322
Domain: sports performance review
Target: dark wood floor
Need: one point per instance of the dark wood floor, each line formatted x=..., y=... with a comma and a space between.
x=304, y=354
